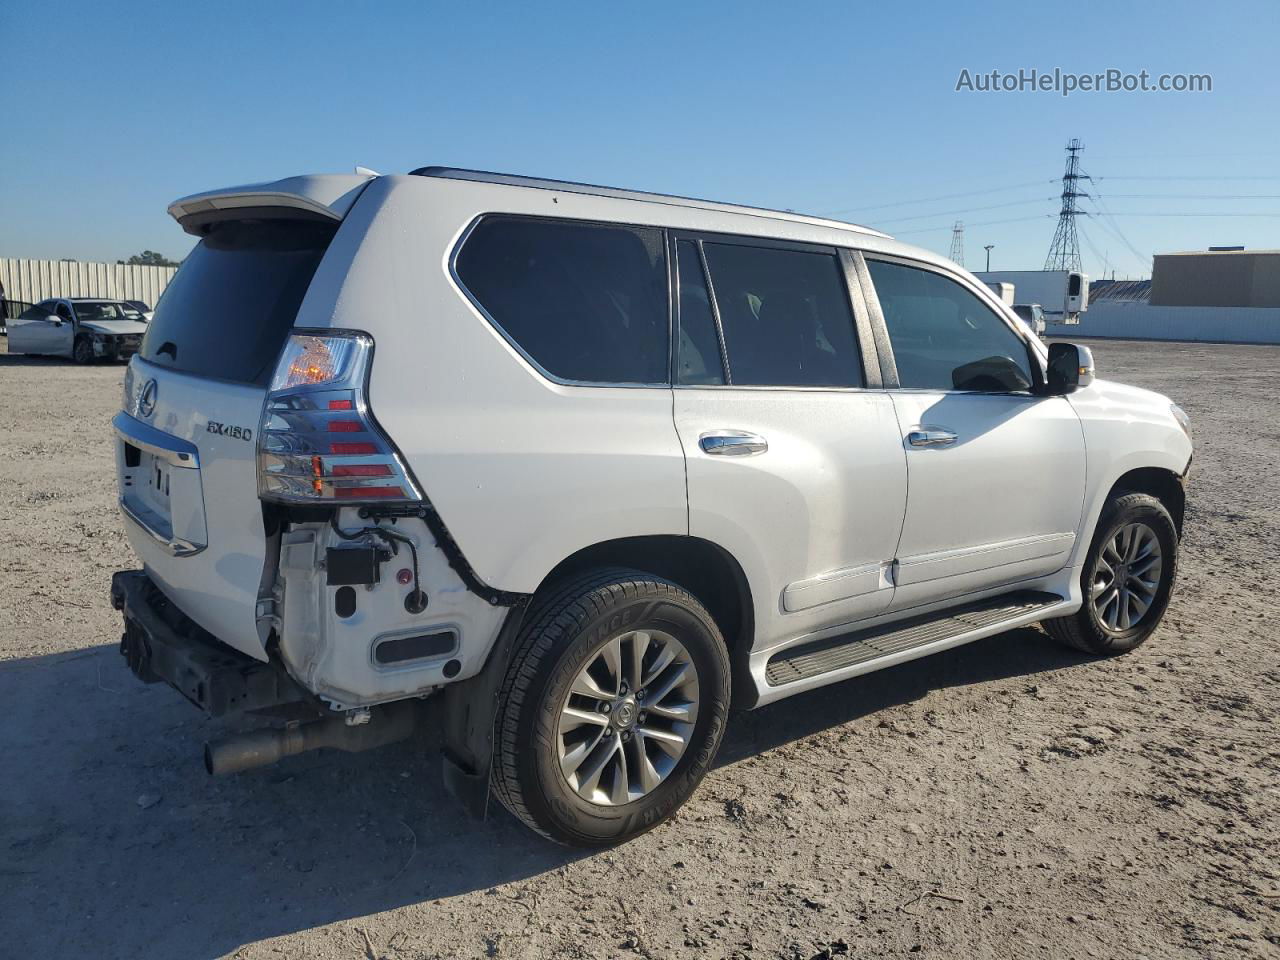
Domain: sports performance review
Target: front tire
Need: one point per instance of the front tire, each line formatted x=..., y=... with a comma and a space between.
x=1127, y=579
x=612, y=709
x=82, y=350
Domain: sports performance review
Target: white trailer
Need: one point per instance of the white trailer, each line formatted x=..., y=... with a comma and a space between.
x=1005, y=291
x=1064, y=294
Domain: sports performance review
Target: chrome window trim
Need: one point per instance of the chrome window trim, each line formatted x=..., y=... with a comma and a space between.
x=511, y=341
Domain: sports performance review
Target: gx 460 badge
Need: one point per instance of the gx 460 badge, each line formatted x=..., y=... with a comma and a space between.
x=229, y=430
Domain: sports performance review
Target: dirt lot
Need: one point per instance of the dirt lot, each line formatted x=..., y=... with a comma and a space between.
x=1005, y=799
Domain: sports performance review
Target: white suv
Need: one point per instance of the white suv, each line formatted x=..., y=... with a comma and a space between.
x=563, y=471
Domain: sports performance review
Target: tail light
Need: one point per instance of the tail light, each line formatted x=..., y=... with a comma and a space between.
x=318, y=440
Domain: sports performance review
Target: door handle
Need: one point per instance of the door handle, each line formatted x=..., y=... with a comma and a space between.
x=931, y=438
x=732, y=443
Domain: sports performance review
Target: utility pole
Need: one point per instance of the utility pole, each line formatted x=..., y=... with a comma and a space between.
x=957, y=243
x=988, y=249
x=1064, y=252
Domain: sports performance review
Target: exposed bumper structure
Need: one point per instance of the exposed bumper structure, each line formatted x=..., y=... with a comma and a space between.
x=160, y=642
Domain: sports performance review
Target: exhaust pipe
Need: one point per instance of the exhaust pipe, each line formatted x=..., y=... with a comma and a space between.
x=261, y=748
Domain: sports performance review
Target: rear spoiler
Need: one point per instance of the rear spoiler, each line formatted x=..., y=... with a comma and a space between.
x=320, y=196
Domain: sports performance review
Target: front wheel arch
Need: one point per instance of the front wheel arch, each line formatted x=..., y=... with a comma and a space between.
x=1165, y=485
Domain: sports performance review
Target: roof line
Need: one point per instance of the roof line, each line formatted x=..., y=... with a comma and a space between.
x=570, y=186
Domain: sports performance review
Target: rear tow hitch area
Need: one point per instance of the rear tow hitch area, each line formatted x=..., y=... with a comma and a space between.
x=161, y=643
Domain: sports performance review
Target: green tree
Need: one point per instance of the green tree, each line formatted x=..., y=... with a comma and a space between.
x=149, y=258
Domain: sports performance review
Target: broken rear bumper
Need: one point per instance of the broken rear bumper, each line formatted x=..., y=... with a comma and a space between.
x=161, y=643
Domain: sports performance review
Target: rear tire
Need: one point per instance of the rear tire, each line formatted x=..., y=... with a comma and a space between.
x=82, y=350
x=612, y=709
x=1127, y=579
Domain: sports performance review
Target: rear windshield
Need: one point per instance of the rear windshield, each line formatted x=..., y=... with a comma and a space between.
x=228, y=310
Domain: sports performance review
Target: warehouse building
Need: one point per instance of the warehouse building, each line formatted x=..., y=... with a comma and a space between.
x=1218, y=277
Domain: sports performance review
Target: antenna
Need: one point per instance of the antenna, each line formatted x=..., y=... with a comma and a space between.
x=957, y=243
x=1064, y=252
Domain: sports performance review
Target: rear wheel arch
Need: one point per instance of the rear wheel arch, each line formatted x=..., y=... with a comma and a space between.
x=707, y=571
x=702, y=567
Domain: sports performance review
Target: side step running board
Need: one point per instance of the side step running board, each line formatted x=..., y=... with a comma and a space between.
x=836, y=653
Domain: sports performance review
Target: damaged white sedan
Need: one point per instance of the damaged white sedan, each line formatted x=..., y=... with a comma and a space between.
x=83, y=329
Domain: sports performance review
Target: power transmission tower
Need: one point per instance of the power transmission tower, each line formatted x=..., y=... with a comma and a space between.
x=957, y=243
x=1064, y=252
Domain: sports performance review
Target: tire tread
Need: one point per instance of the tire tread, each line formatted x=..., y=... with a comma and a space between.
x=561, y=614
x=1076, y=630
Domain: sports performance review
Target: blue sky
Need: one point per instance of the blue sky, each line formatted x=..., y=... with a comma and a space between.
x=112, y=110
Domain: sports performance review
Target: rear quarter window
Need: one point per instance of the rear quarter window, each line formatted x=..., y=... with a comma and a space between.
x=585, y=302
x=227, y=312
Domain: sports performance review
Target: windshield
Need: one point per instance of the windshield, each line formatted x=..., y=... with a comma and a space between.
x=95, y=311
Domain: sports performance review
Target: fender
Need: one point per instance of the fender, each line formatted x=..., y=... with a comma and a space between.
x=1125, y=429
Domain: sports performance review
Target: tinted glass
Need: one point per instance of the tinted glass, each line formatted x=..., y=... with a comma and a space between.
x=943, y=336
x=698, y=358
x=585, y=301
x=228, y=310
x=41, y=311
x=786, y=317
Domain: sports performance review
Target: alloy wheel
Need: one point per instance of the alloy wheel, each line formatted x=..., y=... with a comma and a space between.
x=628, y=717
x=1126, y=577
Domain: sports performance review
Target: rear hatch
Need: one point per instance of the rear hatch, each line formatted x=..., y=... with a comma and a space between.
x=194, y=395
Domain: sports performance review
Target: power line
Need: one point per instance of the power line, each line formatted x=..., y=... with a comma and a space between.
x=1215, y=178
x=1193, y=196
x=1192, y=213
x=980, y=223
x=948, y=213
x=947, y=196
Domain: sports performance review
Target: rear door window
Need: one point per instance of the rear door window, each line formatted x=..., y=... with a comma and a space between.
x=944, y=337
x=585, y=302
x=229, y=309
x=698, y=360
x=786, y=316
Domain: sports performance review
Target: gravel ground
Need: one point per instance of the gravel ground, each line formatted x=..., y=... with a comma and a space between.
x=1005, y=799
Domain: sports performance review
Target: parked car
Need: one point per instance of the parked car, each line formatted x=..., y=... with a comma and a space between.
x=81, y=328
x=1033, y=315
x=579, y=468
x=142, y=307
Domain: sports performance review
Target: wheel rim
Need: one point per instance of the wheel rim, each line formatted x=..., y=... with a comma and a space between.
x=1126, y=577
x=628, y=717
x=83, y=351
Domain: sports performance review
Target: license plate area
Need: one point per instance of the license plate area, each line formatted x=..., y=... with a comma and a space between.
x=147, y=485
x=160, y=491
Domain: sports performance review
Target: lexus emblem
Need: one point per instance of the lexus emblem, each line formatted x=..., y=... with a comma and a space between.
x=147, y=398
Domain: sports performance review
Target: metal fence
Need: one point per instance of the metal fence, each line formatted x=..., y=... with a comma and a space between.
x=31, y=281
x=1121, y=320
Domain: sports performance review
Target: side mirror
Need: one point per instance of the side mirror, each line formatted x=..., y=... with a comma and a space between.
x=1070, y=367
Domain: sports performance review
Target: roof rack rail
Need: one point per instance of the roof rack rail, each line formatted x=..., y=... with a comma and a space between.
x=570, y=186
